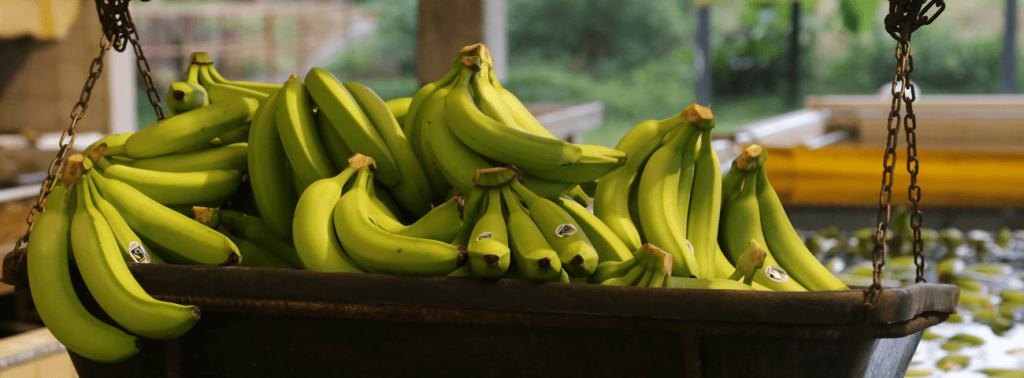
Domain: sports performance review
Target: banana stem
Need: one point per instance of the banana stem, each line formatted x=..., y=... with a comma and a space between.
x=74, y=169
x=752, y=157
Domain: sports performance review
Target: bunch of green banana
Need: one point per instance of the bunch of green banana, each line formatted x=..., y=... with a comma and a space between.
x=187, y=95
x=377, y=250
x=220, y=89
x=752, y=211
x=648, y=267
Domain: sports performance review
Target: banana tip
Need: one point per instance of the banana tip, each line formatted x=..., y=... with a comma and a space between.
x=544, y=263
x=233, y=259
x=463, y=256
x=577, y=261
x=491, y=260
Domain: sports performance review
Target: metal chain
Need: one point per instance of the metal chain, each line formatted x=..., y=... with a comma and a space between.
x=67, y=139
x=904, y=17
x=118, y=31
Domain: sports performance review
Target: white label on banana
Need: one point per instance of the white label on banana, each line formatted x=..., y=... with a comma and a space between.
x=484, y=235
x=138, y=253
x=565, y=229
x=776, y=273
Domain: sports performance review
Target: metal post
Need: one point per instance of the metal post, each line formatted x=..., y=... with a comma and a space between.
x=701, y=57
x=793, y=97
x=1010, y=48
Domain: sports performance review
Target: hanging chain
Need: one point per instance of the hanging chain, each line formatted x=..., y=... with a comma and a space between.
x=904, y=17
x=118, y=31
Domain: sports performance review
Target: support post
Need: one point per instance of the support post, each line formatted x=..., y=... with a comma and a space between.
x=701, y=57
x=1010, y=48
x=445, y=26
x=793, y=96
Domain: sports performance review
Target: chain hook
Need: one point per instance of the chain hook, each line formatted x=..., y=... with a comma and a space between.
x=904, y=17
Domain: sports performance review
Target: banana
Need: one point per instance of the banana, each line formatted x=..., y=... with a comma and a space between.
x=297, y=129
x=471, y=212
x=333, y=143
x=789, y=249
x=430, y=115
x=500, y=141
x=661, y=267
x=189, y=129
x=226, y=158
x=167, y=229
x=669, y=171
x=54, y=296
x=238, y=135
x=255, y=230
x=752, y=157
x=705, y=206
x=488, y=243
x=631, y=278
x=489, y=101
x=188, y=95
x=519, y=112
x=612, y=269
x=258, y=87
x=313, y=233
x=741, y=223
x=131, y=246
x=579, y=196
x=399, y=107
x=115, y=141
x=608, y=246
x=382, y=197
x=178, y=188
x=274, y=194
x=349, y=121
x=219, y=92
x=379, y=251
x=111, y=283
x=611, y=199
x=413, y=190
x=533, y=256
x=562, y=232
x=460, y=164
x=441, y=224
x=254, y=255
x=425, y=93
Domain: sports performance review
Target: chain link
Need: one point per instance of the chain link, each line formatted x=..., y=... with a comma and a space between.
x=67, y=139
x=904, y=17
x=118, y=32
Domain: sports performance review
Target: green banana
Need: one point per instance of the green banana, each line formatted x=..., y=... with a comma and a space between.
x=255, y=230
x=533, y=256
x=499, y=141
x=219, y=92
x=789, y=249
x=238, y=135
x=344, y=114
x=611, y=199
x=522, y=116
x=226, y=158
x=313, y=233
x=562, y=232
x=184, y=96
x=430, y=116
x=189, y=129
x=741, y=223
x=167, y=229
x=115, y=141
x=258, y=87
x=632, y=277
x=488, y=243
x=254, y=255
x=297, y=129
x=54, y=296
x=399, y=107
x=413, y=190
x=608, y=246
x=131, y=246
x=379, y=251
x=471, y=212
x=333, y=143
x=441, y=224
x=275, y=196
x=178, y=188
x=579, y=196
x=612, y=269
x=705, y=207
x=111, y=283
x=752, y=157
x=669, y=171
x=597, y=161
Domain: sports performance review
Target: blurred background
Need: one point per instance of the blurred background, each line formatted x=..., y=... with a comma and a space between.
x=808, y=79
